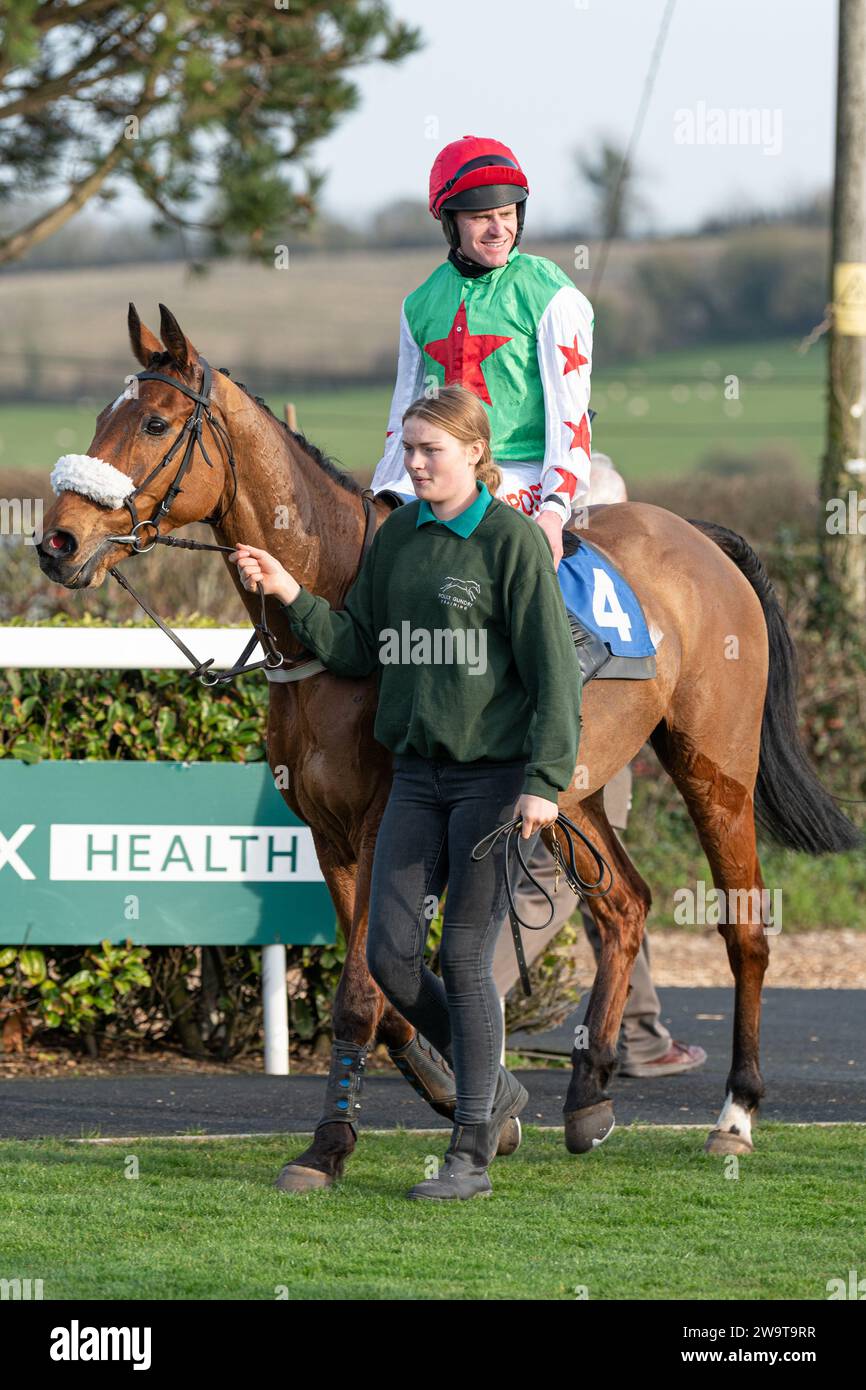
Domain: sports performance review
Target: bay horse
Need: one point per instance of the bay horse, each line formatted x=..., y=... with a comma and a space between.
x=720, y=713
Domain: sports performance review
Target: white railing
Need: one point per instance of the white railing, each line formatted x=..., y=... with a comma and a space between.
x=120, y=648
x=125, y=649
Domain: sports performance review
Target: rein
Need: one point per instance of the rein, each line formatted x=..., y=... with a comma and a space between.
x=572, y=877
x=192, y=430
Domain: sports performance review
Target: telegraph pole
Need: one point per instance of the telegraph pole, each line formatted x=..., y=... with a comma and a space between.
x=844, y=467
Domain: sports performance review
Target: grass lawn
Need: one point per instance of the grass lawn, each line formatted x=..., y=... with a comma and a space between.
x=661, y=417
x=649, y=1216
x=655, y=419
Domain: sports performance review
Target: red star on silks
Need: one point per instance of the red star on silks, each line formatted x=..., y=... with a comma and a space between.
x=573, y=359
x=462, y=353
x=388, y=434
x=581, y=434
x=569, y=482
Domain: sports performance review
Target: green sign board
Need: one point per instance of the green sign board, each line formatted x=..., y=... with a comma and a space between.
x=162, y=853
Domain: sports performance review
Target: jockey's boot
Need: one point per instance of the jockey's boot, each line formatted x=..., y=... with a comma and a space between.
x=465, y=1170
x=592, y=653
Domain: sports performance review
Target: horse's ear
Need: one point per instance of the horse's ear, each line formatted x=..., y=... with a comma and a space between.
x=180, y=347
x=144, y=343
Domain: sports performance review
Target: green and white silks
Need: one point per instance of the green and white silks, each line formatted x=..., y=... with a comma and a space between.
x=520, y=338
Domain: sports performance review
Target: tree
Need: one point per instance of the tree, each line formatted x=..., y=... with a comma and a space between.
x=613, y=189
x=208, y=107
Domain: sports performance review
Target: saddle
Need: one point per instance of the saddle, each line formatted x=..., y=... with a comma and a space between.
x=593, y=653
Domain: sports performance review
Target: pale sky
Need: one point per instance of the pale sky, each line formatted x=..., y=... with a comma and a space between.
x=549, y=76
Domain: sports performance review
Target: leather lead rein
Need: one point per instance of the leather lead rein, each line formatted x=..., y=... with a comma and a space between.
x=572, y=877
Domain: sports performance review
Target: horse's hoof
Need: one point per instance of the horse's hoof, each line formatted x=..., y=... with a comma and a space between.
x=586, y=1129
x=295, y=1178
x=722, y=1141
x=509, y=1137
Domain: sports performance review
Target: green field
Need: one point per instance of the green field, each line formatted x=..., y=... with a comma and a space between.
x=657, y=419
x=647, y=1217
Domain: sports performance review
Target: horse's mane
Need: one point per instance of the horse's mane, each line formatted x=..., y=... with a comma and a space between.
x=327, y=465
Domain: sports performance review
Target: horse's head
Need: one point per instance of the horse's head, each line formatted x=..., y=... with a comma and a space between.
x=133, y=436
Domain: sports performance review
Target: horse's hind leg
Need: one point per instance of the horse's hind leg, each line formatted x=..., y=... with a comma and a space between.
x=620, y=917
x=723, y=813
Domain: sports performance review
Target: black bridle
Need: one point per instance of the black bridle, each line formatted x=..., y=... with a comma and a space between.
x=192, y=432
x=192, y=428
x=572, y=877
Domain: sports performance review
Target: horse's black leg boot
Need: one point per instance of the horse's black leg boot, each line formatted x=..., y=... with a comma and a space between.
x=428, y=1072
x=343, y=1090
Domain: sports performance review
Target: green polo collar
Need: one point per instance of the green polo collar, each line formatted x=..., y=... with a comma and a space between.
x=465, y=522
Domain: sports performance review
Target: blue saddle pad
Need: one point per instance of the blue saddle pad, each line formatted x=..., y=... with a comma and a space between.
x=597, y=594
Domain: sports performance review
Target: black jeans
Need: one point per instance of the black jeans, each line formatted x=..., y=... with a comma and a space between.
x=437, y=811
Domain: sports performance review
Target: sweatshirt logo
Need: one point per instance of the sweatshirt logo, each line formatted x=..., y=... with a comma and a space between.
x=459, y=593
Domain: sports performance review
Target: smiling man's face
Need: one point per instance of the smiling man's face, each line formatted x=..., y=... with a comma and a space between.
x=487, y=236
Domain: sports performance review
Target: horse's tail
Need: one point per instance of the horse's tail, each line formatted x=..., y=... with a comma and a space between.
x=790, y=801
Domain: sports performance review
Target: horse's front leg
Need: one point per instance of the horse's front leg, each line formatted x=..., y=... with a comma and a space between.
x=357, y=1009
x=620, y=916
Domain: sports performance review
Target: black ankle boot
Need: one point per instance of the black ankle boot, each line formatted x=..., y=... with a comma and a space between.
x=509, y=1099
x=464, y=1173
x=592, y=653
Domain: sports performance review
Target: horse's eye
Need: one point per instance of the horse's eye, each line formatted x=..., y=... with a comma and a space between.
x=153, y=425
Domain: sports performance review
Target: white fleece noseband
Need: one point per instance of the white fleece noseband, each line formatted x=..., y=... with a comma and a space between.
x=94, y=478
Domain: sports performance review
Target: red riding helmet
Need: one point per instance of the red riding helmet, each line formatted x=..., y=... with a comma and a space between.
x=476, y=173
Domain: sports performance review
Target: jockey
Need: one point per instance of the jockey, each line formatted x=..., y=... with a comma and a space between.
x=513, y=329
x=509, y=327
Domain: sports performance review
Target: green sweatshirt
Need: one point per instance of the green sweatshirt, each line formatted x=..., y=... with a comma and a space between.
x=465, y=622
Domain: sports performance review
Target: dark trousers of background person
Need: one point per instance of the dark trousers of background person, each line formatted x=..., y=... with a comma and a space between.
x=643, y=1037
x=436, y=813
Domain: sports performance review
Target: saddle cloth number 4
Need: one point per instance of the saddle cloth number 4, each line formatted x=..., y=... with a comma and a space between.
x=606, y=608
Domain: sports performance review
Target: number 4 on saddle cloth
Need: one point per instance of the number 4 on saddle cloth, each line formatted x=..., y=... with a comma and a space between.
x=609, y=628
x=607, y=621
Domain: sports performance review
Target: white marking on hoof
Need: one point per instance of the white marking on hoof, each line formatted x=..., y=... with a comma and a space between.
x=734, y=1119
x=596, y=1142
